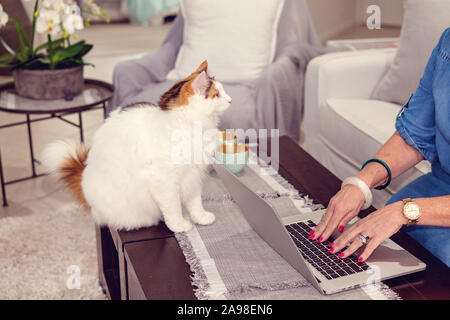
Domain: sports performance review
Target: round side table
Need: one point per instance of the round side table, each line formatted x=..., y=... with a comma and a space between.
x=95, y=95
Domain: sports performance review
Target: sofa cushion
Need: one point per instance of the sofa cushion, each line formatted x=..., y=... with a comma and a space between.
x=238, y=38
x=357, y=128
x=423, y=24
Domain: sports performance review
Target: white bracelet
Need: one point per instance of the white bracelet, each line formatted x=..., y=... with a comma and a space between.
x=363, y=187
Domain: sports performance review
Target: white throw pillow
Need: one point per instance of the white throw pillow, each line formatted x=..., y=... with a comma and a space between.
x=237, y=37
x=423, y=24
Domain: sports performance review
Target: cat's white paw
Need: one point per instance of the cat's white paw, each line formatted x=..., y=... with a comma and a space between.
x=181, y=225
x=204, y=218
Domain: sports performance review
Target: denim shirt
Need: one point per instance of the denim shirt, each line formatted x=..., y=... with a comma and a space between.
x=424, y=121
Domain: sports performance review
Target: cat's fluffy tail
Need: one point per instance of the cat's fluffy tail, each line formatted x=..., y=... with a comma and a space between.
x=67, y=160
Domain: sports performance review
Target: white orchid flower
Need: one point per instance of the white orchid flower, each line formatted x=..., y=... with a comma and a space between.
x=93, y=7
x=60, y=6
x=48, y=21
x=47, y=4
x=72, y=23
x=72, y=9
x=55, y=31
x=3, y=17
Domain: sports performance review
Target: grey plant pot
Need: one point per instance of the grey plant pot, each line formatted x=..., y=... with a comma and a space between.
x=49, y=84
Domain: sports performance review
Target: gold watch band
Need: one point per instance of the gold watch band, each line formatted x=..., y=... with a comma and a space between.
x=410, y=222
x=405, y=201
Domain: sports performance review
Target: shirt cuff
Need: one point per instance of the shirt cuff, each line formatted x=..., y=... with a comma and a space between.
x=401, y=129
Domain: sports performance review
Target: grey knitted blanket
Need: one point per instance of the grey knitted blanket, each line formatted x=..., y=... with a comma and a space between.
x=230, y=261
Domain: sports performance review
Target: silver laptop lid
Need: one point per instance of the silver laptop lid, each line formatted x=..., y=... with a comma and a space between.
x=264, y=220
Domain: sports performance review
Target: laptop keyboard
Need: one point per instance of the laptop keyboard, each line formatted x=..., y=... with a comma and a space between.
x=328, y=264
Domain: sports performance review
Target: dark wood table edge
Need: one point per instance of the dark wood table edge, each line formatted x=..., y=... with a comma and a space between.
x=293, y=165
x=112, y=266
x=170, y=282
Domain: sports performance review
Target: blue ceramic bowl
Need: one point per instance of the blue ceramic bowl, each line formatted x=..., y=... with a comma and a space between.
x=234, y=156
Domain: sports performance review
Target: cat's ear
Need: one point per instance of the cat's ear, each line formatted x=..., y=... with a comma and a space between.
x=203, y=67
x=201, y=83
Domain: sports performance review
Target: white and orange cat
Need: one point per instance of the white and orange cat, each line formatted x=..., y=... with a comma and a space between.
x=127, y=178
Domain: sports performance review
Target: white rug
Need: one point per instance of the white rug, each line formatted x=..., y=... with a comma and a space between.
x=49, y=254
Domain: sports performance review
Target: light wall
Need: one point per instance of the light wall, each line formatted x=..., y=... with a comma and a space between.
x=391, y=11
x=332, y=17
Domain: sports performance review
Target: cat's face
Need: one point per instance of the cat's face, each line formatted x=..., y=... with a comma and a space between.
x=199, y=89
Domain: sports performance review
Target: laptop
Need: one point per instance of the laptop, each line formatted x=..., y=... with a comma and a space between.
x=289, y=237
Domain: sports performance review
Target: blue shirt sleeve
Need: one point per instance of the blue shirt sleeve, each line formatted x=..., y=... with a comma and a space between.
x=416, y=120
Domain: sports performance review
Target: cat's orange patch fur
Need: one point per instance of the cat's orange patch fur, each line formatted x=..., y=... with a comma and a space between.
x=178, y=95
x=212, y=92
x=71, y=171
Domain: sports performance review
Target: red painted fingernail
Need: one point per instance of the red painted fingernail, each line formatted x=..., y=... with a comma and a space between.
x=320, y=239
x=331, y=244
x=331, y=250
x=341, y=229
x=311, y=236
x=340, y=255
x=311, y=232
x=360, y=259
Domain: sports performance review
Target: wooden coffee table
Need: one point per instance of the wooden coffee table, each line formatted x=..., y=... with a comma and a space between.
x=148, y=263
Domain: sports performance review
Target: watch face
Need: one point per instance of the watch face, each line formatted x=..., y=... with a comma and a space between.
x=412, y=211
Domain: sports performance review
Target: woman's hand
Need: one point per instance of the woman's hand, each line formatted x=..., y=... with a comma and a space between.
x=343, y=207
x=378, y=226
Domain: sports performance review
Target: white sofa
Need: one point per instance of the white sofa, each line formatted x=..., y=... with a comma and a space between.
x=342, y=126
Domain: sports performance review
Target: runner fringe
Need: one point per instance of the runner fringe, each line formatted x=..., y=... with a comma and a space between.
x=198, y=279
x=380, y=291
x=250, y=287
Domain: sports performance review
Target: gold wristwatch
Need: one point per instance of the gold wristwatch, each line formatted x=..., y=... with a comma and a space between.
x=411, y=211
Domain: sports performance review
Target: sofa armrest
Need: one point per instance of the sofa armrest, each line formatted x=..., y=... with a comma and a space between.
x=350, y=75
x=347, y=74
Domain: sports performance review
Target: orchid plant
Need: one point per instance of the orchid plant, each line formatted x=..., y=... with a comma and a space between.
x=59, y=20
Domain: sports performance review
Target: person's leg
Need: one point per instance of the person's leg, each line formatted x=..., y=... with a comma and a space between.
x=435, y=239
